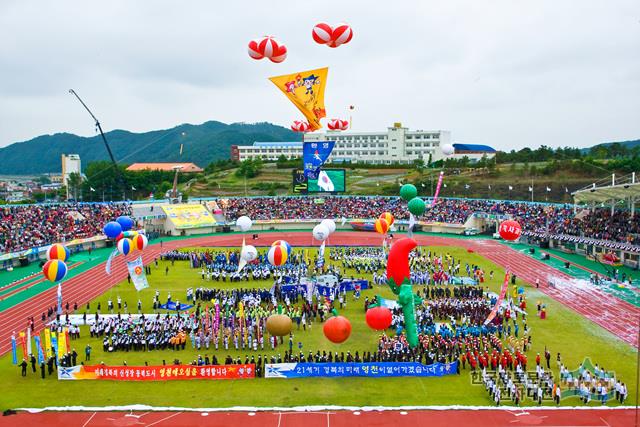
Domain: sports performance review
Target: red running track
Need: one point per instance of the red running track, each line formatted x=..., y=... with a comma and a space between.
x=619, y=317
x=431, y=418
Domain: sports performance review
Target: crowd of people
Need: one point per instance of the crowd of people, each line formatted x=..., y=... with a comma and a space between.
x=29, y=226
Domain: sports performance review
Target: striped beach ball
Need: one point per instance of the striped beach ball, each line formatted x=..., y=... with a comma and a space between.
x=54, y=270
x=58, y=251
x=125, y=246
x=381, y=226
x=277, y=255
x=283, y=243
x=388, y=216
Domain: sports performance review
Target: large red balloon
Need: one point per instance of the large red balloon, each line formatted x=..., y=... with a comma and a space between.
x=337, y=329
x=379, y=318
x=398, y=261
x=322, y=33
x=300, y=126
x=510, y=230
x=341, y=34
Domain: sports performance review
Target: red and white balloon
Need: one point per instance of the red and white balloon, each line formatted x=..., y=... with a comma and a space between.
x=510, y=230
x=300, y=126
x=323, y=33
x=337, y=124
x=267, y=47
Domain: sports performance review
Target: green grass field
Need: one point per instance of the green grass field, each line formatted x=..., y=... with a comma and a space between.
x=563, y=331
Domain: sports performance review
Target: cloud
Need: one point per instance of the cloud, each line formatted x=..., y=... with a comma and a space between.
x=508, y=74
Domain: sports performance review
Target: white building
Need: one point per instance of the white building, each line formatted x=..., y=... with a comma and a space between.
x=266, y=150
x=396, y=144
x=70, y=164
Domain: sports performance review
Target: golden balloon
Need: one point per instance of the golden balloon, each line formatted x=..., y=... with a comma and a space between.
x=279, y=325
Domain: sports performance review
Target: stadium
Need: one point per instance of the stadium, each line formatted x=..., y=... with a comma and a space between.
x=252, y=274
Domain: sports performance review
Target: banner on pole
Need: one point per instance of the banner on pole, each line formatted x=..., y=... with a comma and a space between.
x=156, y=373
x=314, y=154
x=503, y=292
x=136, y=271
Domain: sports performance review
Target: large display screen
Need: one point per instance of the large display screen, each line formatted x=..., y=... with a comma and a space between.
x=329, y=181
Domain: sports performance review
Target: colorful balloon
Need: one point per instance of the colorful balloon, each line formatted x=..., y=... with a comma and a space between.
x=140, y=242
x=388, y=216
x=337, y=329
x=379, y=318
x=112, y=229
x=125, y=246
x=244, y=223
x=337, y=124
x=284, y=244
x=340, y=35
x=321, y=232
x=125, y=222
x=300, y=126
x=277, y=255
x=408, y=191
x=267, y=47
x=417, y=206
x=381, y=226
x=322, y=33
x=398, y=261
x=510, y=230
x=58, y=251
x=54, y=270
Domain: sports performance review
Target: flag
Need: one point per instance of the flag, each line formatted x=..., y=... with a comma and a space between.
x=325, y=182
x=510, y=188
x=306, y=90
x=444, y=185
x=133, y=188
x=23, y=343
x=39, y=346
x=548, y=189
x=566, y=190
x=343, y=221
x=181, y=146
x=422, y=185
x=242, y=262
x=14, y=350
x=59, y=298
x=47, y=342
x=467, y=186
x=29, y=341
x=320, y=262
x=530, y=189
x=489, y=186
x=92, y=189
x=136, y=271
x=54, y=344
x=107, y=266
x=314, y=154
x=62, y=345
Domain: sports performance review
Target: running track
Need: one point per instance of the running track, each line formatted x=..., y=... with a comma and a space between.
x=618, y=317
x=355, y=418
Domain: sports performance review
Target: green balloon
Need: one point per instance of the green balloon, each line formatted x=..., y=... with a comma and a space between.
x=417, y=206
x=408, y=192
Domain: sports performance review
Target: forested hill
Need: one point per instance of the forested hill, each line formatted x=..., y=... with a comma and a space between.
x=202, y=144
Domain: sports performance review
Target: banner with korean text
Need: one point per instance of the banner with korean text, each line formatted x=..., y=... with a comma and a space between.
x=157, y=373
x=369, y=369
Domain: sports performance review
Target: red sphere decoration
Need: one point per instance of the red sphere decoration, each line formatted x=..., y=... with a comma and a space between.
x=379, y=318
x=510, y=230
x=337, y=329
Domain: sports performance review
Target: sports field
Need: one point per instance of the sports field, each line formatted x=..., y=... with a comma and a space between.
x=564, y=331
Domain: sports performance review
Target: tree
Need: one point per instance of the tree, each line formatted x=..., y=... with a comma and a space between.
x=419, y=166
x=74, y=182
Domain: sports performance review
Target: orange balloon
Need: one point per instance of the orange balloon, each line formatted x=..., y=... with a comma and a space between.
x=388, y=216
x=381, y=226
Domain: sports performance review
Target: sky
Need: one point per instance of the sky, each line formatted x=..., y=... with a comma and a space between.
x=510, y=74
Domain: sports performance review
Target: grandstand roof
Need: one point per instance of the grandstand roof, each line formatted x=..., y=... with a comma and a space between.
x=460, y=148
x=185, y=167
x=621, y=188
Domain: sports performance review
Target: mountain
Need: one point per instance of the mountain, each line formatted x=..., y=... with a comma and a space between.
x=203, y=143
x=628, y=144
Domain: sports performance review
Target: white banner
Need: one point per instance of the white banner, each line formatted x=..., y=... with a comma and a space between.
x=136, y=271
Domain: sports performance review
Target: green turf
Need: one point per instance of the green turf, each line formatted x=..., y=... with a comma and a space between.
x=563, y=331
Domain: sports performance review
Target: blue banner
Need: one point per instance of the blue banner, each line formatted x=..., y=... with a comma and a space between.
x=370, y=370
x=14, y=350
x=39, y=346
x=314, y=154
x=171, y=305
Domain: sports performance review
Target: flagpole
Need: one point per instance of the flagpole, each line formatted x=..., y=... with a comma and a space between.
x=531, y=190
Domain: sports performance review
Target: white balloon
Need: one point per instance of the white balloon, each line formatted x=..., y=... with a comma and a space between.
x=448, y=149
x=329, y=224
x=249, y=253
x=321, y=232
x=244, y=223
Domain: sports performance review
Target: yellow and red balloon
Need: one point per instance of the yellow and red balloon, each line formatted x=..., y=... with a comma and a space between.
x=381, y=226
x=54, y=270
x=58, y=251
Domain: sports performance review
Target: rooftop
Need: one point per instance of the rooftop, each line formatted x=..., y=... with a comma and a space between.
x=185, y=167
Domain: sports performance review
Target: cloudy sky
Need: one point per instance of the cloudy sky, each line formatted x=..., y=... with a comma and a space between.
x=505, y=73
